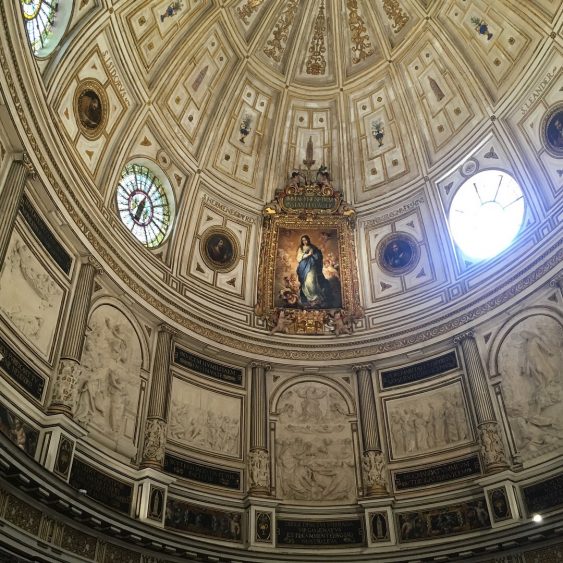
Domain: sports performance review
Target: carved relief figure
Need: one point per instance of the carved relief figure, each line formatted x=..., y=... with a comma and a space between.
x=29, y=296
x=204, y=419
x=109, y=383
x=529, y=362
x=428, y=422
x=314, y=452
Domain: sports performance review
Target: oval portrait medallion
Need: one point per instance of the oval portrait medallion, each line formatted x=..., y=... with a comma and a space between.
x=552, y=130
x=91, y=108
x=398, y=253
x=219, y=249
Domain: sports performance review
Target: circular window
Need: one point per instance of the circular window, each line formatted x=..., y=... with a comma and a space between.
x=486, y=214
x=45, y=22
x=144, y=204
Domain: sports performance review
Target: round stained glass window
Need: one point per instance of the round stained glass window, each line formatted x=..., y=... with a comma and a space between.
x=486, y=214
x=143, y=203
x=39, y=16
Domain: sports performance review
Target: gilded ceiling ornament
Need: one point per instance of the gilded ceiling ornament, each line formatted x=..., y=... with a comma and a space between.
x=316, y=63
x=396, y=14
x=278, y=39
x=246, y=11
x=361, y=48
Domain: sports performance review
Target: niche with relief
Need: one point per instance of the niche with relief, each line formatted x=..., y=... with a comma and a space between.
x=529, y=361
x=111, y=385
x=314, y=446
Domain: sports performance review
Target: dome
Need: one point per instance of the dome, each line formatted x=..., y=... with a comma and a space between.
x=241, y=288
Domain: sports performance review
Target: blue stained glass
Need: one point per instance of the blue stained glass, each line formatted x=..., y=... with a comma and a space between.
x=39, y=16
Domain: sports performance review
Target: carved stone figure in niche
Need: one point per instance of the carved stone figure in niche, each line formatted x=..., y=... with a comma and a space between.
x=109, y=383
x=529, y=362
x=314, y=451
x=29, y=296
x=204, y=419
x=428, y=422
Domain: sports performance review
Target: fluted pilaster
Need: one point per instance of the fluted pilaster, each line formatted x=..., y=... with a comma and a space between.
x=159, y=399
x=373, y=460
x=64, y=388
x=11, y=194
x=259, y=457
x=492, y=448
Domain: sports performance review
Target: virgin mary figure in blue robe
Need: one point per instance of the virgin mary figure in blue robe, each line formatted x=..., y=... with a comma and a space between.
x=314, y=286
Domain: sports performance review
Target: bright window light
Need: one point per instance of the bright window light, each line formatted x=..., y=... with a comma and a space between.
x=486, y=214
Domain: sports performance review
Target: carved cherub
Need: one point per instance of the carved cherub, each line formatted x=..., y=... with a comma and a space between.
x=281, y=321
x=295, y=180
x=341, y=323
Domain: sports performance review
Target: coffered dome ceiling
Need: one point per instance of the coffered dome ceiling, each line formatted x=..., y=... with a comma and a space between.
x=402, y=100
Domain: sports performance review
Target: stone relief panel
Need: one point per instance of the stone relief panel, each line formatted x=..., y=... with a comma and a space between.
x=314, y=453
x=529, y=363
x=242, y=148
x=397, y=252
x=99, y=74
x=384, y=150
x=428, y=422
x=205, y=419
x=155, y=27
x=448, y=108
x=496, y=42
x=30, y=297
x=190, y=98
x=109, y=383
x=203, y=261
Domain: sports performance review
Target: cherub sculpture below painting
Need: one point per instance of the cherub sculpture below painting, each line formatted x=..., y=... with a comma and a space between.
x=307, y=282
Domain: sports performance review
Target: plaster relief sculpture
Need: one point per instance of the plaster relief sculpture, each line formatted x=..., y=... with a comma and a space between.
x=428, y=422
x=204, y=419
x=259, y=463
x=108, y=386
x=29, y=296
x=314, y=452
x=373, y=465
x=529, y=361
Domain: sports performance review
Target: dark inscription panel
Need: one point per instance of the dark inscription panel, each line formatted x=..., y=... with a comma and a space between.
x=101, y=487
x=309, y=202
x=211, y=369
x=544, y=495
x=344, y=533
x=417, y=372
x=20, y=372
x=201, y=473
x=45, y=236
x=437, y=473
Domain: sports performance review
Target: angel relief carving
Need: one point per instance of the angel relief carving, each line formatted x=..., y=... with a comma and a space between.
x=314, y=452
x=109, y=381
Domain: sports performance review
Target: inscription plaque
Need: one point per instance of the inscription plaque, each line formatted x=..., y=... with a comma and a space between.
x=20, y=372
x=544, y=495
x=101, y=487
x=437, y=473
x=320, y=533
x=201, y=473
x=419, y=371
x=211, y=369
x=45, y=236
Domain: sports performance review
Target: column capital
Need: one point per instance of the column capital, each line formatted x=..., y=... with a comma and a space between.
x=361, y=367
x=90, y=260
x=264, y=365
x=467, y=335
x=164, y=327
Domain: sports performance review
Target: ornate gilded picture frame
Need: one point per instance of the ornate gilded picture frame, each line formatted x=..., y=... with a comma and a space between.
x=308, y=283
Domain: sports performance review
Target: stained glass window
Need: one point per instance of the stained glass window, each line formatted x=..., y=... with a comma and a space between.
x=39, y=16
x=143, y=204
x=486, y=214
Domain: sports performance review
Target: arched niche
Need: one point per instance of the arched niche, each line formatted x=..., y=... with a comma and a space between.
x=314, y=447
x=527, y=356
x=112, y=378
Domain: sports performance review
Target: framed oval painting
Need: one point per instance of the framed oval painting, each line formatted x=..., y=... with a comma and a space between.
x=398, y=253
x=219, y=249
x=91, y=108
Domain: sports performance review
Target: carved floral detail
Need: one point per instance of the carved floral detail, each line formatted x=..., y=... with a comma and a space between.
x=155, y=440
x=361, y=48
x=65, y=385
x=373, y=466
x=492, y=449
x=248, y=9
x=278, y=39
x=396, y=14
x=316, y=63
x=259, y=465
